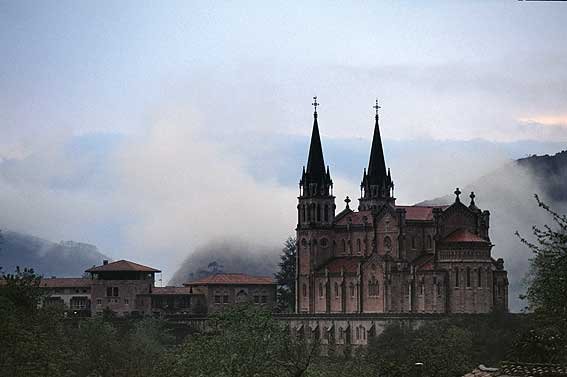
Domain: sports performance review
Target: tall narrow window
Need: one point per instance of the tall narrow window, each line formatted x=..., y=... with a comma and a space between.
x=429, y=242
x=413, y=242
x=351, y=290
x=336, y=290
x=468, y=276
x=304, y=290
x=318, y=212
x=479, y=277
x=320, y=290
x=309, y=213
x=344, y=246
x=358, y=245
x=326, y=213
x=456, y=277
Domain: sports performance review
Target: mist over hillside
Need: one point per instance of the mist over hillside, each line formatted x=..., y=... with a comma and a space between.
x=228, y=255
x=508, y=193
x=64, y=259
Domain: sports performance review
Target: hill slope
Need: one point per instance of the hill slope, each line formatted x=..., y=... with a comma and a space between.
x=45, y=257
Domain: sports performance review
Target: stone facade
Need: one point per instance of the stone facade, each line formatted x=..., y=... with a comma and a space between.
x=387, y=258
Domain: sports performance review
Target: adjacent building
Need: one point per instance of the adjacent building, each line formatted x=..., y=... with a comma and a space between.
x=221, y=290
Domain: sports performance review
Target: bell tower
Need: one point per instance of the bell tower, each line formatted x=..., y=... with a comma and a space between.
x=377, y=187
x=316, y=205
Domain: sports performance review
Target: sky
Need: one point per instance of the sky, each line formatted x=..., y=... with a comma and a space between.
x=148, y=128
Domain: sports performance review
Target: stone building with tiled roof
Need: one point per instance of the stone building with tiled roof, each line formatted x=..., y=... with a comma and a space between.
x=389, y=258
x=225, y=289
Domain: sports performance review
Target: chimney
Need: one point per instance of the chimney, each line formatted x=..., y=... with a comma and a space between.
x=105, y=262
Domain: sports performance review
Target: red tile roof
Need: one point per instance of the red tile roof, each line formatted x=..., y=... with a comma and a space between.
x=65, y=283
x=350, y=264
x=122, y=265
x=420, y=213
x=463, y=235
x=232, y=279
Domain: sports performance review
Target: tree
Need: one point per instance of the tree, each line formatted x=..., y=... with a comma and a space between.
x=547, y=281
x=546, y=293
x=442, y=347
x=285, y=278
x=244, y=341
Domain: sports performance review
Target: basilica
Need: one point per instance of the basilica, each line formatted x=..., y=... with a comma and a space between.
x=389, y=258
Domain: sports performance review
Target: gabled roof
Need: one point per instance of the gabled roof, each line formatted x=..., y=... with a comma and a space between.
x=232, y=279
x=121, y=266
x=65, y=283
x=350, y=264
x=420, y=213
x=463, y=235
x=355, y=217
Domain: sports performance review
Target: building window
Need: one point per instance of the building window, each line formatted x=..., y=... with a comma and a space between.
x=468, y=276
x=217, y=299
x=421, y=288
x=99, y=301
x=413, y=242
x=387, y=244
x=429, y=242
x=320, y=290
x=264, y=299
x=336, y=290
x=358, y=245
x=456, y=277
x=108, y=291
x=318, y=212
x=344, y=246
x=351, y=290
x=126, y=301
x=304, y=290
x=438, y=289
x=225, y=299
x=115, y=291
x=256, y=299
x=479, y=277
x=373, y=287
x=326, y=213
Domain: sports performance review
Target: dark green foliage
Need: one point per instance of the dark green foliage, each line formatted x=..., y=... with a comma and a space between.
x=546, y=340
x=245, y=341
x=286, y=276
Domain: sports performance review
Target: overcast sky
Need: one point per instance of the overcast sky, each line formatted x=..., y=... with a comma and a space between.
x=138, y=125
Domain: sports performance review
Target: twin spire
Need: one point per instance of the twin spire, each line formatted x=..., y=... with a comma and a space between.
x=376, y=181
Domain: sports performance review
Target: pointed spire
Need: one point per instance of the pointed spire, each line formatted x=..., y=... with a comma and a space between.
x=376, y=164
x=315, y=162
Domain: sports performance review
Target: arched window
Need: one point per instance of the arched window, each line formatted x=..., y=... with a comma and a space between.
x=326, y=213
x=468, y=276
x=358, y=246
x=429, y=242
x=351, y=290
x=304, y=290
x=344, y=246
x=320, y=290
x=373, y=287
x=387, y=244
x=421, y=287
x=318, y=212
x=413, y=242
x=309, y=213
x=336, y=290
x=479, y=277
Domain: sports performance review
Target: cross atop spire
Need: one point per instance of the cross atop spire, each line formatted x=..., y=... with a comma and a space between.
x=457, y=193
x=315, y=104
x=376, y=107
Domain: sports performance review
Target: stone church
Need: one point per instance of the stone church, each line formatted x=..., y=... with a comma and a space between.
x=389, y=258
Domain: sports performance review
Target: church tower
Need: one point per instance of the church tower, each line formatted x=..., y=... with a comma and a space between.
x=315, y=218
x=377, y=187
x=316, y=201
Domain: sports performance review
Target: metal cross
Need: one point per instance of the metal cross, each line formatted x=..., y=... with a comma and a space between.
x=315, y=103
x=457, y=193
x=347, y=201
x=376, y=107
